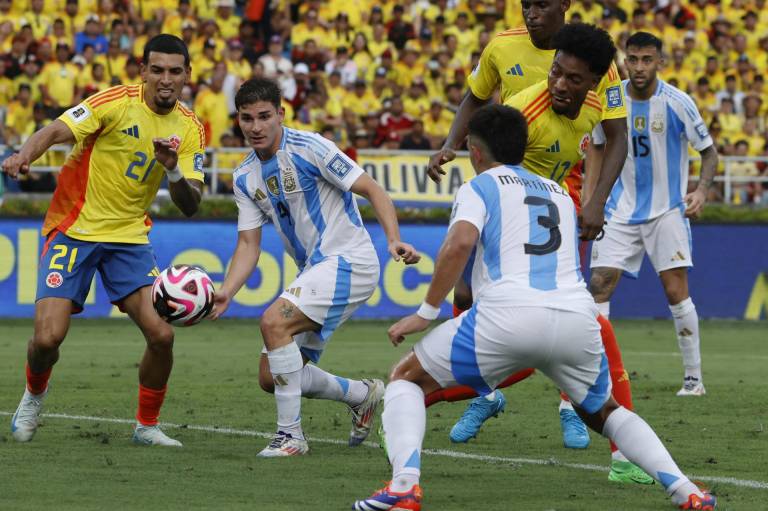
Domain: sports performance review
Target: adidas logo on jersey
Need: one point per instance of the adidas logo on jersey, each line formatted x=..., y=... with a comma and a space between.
x=554, y=148
x=132, y=131
x=515, y=70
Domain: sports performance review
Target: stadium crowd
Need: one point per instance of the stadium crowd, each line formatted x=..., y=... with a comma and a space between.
x=364, y=73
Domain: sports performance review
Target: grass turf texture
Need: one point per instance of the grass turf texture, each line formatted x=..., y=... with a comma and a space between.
x=85, y=464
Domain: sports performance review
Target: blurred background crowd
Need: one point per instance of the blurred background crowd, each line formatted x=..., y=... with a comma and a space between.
x=364, y=73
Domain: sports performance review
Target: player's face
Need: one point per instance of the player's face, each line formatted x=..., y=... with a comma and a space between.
x=569, y=81
x=543, y=18
x=642, y=65
x=262, y=125
x=164, y=76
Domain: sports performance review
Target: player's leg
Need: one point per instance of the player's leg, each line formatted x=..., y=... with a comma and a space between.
x=578, y=366
x=52, y=318
x=64, y=276
x=127, y=272
x=669, y=249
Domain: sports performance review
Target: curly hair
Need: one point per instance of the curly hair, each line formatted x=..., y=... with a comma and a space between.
x=588, y=43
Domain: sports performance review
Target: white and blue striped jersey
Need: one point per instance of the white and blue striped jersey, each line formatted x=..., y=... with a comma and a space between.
x=304, y=190
x=654, y=179
x=528, y=250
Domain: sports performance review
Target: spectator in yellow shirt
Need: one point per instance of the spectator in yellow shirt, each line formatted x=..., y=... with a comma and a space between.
x=437, y=123
x=466, y=38
x=174, y=21
x=114, y=62
x=705, y=99
x=211, y=108
x=31, y=77
x=202, y=66
x=360, y=100
x=378, y=42
x=361, y=55
x=236, y=63
x=58, y=81
x=309, y=28
x=226, y=19
x=408, y=68
x=93, y=80
x=18, y=117
x=37, y=19
x=415, y=102
x=6, y=87
x=132, y=74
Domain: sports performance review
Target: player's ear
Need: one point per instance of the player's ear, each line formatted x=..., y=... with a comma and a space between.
x=281, y=113
x=143, y=72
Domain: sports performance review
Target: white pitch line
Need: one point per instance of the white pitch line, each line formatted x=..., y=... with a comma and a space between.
x=676, y=354
x=744, y=483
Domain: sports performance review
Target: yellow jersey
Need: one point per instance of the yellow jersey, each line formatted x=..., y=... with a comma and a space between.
x=555, y=142
x=110, y=178
x=512, y=62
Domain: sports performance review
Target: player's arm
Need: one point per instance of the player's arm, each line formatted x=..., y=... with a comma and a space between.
x=451, y=260
x=387, y=217
x=696, y=199
x=615, y=152
x=244, y=261
x=185, y=193
x=56, y=132
x=456, y=135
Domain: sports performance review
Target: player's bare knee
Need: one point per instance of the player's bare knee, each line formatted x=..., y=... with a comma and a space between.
x=602, y=283
x=272, y=327
x=675, y=287
x=160, y=338
x=47, y=338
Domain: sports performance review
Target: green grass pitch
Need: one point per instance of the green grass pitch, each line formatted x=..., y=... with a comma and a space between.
x=517, y=462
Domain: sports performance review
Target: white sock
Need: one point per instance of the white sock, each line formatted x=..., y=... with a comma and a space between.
x=687, y=327
x=319, y=384
x=565, y=405
x=604, y=309
x=286, y=364
x=618, y=456
x=635, y=438
x=404, y=420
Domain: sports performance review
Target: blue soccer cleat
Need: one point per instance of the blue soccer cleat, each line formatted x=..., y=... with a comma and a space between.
x=387, y=500
x=575, y=435
x=478, y=411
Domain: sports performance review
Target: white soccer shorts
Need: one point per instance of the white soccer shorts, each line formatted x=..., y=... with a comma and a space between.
x=485, y=344
x=666, y=239
x=328, y=293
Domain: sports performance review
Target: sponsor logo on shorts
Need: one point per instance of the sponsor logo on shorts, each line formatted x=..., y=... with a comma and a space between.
x=614, y=96
x=295, y=291
x=679, y=256
x=339, y=166
x=54, y=279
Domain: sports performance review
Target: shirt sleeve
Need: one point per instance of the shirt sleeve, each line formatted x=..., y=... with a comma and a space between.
x=484, y=79
x=695, y=128
x=249, y=215
x=336, y=167
x=192, y=151
x=468, y=206
x=85, y=120
x=611, y=95
x=598, y=135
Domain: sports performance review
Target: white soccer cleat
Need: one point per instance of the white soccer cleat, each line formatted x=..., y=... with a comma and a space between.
x=692, y=387
x=364, y=414
x=153, y=435
x=283, y=444
x=24, y=421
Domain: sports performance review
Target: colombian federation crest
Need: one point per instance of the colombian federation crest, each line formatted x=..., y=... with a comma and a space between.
x=175, y=141
x=639, y=123
x=584, y=144
x=54, y=279
x=273, y=186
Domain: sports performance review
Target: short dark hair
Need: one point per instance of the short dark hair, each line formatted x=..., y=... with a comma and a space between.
x=644, y=40
x=166, y=43
x=587, y=43
x=258, y=89
x=503, y=130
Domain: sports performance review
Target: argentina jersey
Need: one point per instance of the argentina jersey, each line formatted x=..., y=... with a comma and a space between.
x=654, y=179
x=304, y=190
x=527, y=253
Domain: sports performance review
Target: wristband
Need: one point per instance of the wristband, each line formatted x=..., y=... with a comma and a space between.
x=426, y=311
x=175, y=175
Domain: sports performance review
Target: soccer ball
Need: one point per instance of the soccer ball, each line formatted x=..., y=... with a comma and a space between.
x=183, y=295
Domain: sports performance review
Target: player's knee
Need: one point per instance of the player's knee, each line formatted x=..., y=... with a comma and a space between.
x=272, y=327
x=462, y=299
x=266, y=382
x=48, y=337
x=160, y=337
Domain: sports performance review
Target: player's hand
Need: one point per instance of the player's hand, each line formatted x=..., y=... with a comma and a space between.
x=221, y=300
x=591, y=221
x=14, y=165
x=165, y=153
x=695, y=203
x=441, y=157
x=399, y=249
x=407, y=325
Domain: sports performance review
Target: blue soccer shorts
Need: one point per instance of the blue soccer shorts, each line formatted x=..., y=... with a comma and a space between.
x=67, y=267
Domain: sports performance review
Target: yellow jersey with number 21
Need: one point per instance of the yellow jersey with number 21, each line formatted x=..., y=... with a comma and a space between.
x=111, y=177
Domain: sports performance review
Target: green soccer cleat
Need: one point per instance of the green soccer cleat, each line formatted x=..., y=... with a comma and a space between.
x=628, y=472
